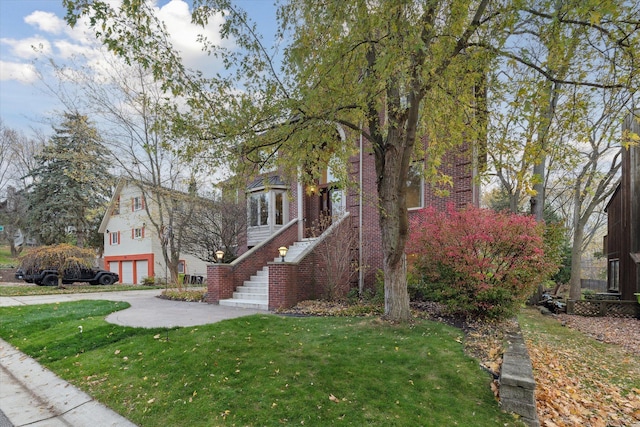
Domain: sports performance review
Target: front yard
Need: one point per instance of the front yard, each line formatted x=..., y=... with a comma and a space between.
x=268, y=370
x=24, y=289
x=263, y=369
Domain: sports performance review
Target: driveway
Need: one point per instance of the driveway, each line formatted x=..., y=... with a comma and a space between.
x=146, y=311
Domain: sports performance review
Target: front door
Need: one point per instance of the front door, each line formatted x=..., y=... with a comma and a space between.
x=325, y=202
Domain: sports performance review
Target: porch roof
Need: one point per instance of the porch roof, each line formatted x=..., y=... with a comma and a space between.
x=270, y=181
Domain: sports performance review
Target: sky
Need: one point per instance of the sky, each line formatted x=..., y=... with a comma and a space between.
x=34, y=31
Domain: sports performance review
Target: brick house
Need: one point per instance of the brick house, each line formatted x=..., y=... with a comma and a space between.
x=283, y=213
x=622, y=243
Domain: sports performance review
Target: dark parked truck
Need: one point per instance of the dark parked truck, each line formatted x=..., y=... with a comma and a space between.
x=49, y=277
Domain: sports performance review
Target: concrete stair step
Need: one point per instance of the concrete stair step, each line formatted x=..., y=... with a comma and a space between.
x=245, y=303
x=250, y=296
x=254, y=293
x=253, y=288
x=256, y=282
x=294, y=250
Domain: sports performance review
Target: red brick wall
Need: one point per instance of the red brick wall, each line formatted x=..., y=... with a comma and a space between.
x=221, y=285
x=283, y=280
x=458, y=164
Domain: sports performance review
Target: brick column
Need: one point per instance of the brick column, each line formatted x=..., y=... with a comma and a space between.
x=220, y=284
x=283, y=292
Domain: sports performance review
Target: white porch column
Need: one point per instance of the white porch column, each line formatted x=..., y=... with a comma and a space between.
x=300, y=213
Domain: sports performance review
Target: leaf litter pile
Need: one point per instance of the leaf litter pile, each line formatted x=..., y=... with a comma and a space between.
x=581, y=381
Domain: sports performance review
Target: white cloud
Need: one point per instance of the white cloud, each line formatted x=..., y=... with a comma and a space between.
x=67, y=49
x=23, y=73
x=63, y=43
x=184, y=35
x=176, y=15
x=30, y=47
x=46, y=21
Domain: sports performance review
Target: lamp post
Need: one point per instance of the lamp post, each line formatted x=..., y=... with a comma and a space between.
x=283, y=251
x=219, y=256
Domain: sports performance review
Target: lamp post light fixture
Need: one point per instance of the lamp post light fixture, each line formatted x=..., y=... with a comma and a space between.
x=283, y=251
x=219, y=256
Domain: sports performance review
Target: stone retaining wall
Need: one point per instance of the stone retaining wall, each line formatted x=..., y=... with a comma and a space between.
x=517, y=386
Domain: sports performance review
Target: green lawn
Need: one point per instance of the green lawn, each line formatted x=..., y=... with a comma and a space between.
x=261, y=370
x=12, y=291
x=5, y=257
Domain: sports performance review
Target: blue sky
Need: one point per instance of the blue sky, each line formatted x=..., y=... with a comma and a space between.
x=24, y=101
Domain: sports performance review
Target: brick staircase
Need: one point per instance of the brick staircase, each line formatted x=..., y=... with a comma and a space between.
x=254, y=293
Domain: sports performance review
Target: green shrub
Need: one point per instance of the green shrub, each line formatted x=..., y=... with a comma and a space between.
x=418, y=289
x=149, y=281
x=353, y=296
x=188, y=296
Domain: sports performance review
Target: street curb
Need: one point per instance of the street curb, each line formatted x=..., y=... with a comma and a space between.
x=67, y=403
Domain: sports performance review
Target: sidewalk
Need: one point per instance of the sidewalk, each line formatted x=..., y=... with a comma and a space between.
x=34, y=396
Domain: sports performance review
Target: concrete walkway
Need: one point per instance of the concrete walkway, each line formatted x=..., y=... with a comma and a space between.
x=34, y=396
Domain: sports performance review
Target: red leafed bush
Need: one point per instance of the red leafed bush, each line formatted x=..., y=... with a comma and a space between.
x=478, y=262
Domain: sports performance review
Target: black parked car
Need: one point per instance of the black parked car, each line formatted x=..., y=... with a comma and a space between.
x=49, y=277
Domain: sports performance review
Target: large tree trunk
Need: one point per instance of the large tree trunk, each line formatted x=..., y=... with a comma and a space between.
x=392, y=171
x=396, y=296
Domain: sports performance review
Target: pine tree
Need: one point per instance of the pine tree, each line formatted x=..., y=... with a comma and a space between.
x=71, y=184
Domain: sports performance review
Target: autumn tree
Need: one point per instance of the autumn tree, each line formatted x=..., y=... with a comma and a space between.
x=7, y=139
x=216, y=224
x=17, y=161
x=71, y=184
x=554, y=139
x=136, y=126
x=588, y=175
x=398, y=72
x=62, y=257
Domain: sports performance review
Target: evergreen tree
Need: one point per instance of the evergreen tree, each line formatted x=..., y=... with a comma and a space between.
x=71, y=185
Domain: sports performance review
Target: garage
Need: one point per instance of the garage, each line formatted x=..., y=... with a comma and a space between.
x=131, y=269
x=142, y=270
x=127, y=272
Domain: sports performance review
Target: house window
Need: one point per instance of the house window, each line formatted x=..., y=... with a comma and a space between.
x=115, y=238
x=415, y=186
x=614, y=275
x=138, y=233
x=258, y=209
x=138, y=205
x=279, y=208
x=181, y=267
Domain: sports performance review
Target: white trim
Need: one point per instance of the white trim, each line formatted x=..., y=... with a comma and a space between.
x=261, y=244
x=300, y=208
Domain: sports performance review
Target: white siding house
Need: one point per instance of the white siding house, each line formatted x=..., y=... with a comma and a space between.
x=132, y=246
